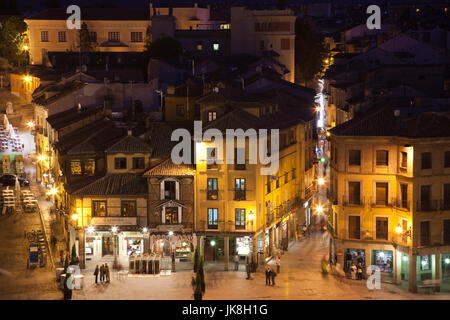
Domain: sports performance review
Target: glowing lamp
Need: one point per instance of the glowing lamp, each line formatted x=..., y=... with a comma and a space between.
x=114, y=229
x=381, y=254
x=144, y=230
x=30, y=124
x=321, y=181
x=424, y=262
x=25, y=47
x=90, y=229
x=398, y=229
x=319, y=209
x=447, y=260
x=52, y=192
x=251, y=215
x=405, y=258
x=212, y=243
x=74, y=217
x=170, y=233
x=27, y=79
x=322, y=159
x=41, y=157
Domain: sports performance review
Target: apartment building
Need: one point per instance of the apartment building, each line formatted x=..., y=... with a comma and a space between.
x=390, y=189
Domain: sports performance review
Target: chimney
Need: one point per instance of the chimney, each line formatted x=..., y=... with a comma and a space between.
x=129, y=132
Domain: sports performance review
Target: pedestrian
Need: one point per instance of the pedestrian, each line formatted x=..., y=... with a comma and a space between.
x=248, y=269
x=236, y=262
x=96, y=274
x=360, y=271
x=273, y=274
x=278, y=261
x=353, y=271
x=102, y=273
x=268, y=276
x=61, y=257
x=107, y=273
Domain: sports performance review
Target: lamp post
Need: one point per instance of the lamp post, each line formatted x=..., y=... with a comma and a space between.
x=114, y=231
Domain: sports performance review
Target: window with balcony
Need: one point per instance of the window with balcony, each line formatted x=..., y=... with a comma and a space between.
x=354, y=193
x=114, y=36
x=62, y=36
x=404, y=195
x=171, y=215
x=382, y=157
x=239, y=189
x=99, y=208
x=426, y=160
x=424, y=233
x=354, y=157
x=446, y=200
x=128, y=208
x=138, y=163
x=136, y=37
x=425, y=197
x=381, y=193
x=44, y=36
x=240, y=219
x=170, y=192
x=120, y=163
x=354, y=227
x=447, y=159
x=381, y=228
x=211, y=158
x=404, y=160
x=239, y=159
x=212, y=192
x=446, y=231
x=212, y=218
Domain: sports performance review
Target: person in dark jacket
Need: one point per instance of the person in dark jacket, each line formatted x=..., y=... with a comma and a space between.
x=273, y=274
x=248, y=269
x=268, y=275
x=102, y=273
x=96, y=274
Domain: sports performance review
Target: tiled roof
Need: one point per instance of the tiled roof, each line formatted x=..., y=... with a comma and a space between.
x=65, y=118
x=168, y=168
x=159, y=141
x=129, y=144
x=95, y=14
x=115, y=185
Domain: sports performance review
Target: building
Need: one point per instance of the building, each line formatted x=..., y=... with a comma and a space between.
x=256, y=31
x=390, y=194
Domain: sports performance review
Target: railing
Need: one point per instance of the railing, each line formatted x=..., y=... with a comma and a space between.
x=381, y=203
x=239, y=194
x=444, y=204
x=212, y=194
x=353, y=202
x=238, y=166
x=431, y=205
x=403, y=204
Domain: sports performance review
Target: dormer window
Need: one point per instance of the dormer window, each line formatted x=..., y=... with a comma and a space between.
x=170, y=190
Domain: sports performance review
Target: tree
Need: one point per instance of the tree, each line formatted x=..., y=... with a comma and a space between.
x=195, y=259
x=66, y=264
x=85, y=41
x=198, y=293
x=202, y=275
x=12, y=39
x=165, y=47
x=74, y=259
x=309, y=52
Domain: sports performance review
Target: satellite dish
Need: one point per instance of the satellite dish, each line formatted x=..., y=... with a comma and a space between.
x=83, y=68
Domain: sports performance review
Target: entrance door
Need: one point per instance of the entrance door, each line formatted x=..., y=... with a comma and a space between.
x=107, y=245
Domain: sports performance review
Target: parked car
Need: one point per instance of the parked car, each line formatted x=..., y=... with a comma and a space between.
x=10, y=180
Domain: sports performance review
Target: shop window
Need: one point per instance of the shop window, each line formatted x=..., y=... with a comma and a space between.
x=354, y=227
x=381, y=193
x=424, y=233
x=425, y=263
x=354, y=193
x=382, y=157
x=240, y=219
x=120, y=163
x=75, y=167
x=426, y=160
x=239, y=189
x=211, y=158
x=212, y=218
x=354, y=157
x=128, y=208
x=445, y=266
x=383, y=259
x=171, y=216
x=99, y=208
x=212, y=185
x=404, y=160
x=239, y=158
x=447, y=159
x=354, y=256
x=381, y=228
x=138, y=163
x=107, y=245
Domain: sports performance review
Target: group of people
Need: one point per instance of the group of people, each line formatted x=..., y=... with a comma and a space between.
x=271, y=274
x=103, y=271
x=357, y=271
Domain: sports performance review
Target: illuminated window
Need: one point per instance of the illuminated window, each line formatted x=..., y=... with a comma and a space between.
x=216, y=46
x=62, y=36
x=44, y=36
x=240, y=218
x=212, y=116
x=75, y=167
x=128, y=208
x=171, y=215
x=212, y=218
x=89, y=167
x=99, y=209
x=199, y=46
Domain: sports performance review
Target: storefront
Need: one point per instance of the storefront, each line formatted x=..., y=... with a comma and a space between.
x=260, y=242
x=178, y=246
x=425, y=268
x=285, y=234
x=384, y=260
x=354, y=256
x=403, y=269
x=445, y=272
x=244, y=246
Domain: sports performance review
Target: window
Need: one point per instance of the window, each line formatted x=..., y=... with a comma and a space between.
x=114, y=36
x=354, y=157
x=426, y=160
x=382, y=157
x=424, y=233
x=99, y=208
x=354, y=227
x=213, y=193
x=138, y=163
x=180, y=110
x=277, y=182
x=212, y=116
x=293, y=173
x=446, y=232
x=239, y=189
x=239, y=164
x=216, y=47
x=170, y=190
x=268, y=184
x=404, y=195
x=447, y=159
x=381, y=193
x=240, y=219
x=89, y=167
x=446, y=202
x=93, y=36
x=211, y=161
x=171, y=216
x=62, y=36
x=404, y=158
x=381, y=228
x=44, y=36
x=354, y=192
x=286, y=178
x=136, y=37
x=212, y=218
x=120, y=163
x=285, y=44
x=128, y=208
x=75, y=167
x=425, y=197
x=199, y=46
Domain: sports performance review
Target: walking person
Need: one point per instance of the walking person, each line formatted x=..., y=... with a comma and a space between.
x=278, y=261
x=273, y=274
x=107, y=273
x=268, y=275
x=96, y=274
x=102, y=273
x=236, y=262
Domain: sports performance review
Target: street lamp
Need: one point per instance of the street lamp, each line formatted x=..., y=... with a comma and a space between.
x=90, y=229
x=27, y=78
x=321, y=181
x=114, y=231
x=41, y=157
x=30, y=124
x=75, y=217
x=144, y=230
x=25, y=47
x=319, y=209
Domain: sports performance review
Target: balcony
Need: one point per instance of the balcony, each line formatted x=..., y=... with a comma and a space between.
x=444, y=204
x=353, y=202
x=239, y=195
x=424, y=206
x=402, y=204
x=381, y=203
x=212, y=194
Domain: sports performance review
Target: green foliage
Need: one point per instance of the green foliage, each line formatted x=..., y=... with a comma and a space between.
x=202, y=274
x=165, y=47
x=12, y=39
x=309, y=52
x=74, y=259
x=196, y=259
x=198, y=285
x=85, y=43
x=66, y=263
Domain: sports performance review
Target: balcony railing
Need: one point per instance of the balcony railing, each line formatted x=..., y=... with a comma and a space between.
x=212, y=194
x=348, y=201
x=444, y=204
x=239, y=194
x=402, y=204
x=381, y=203
x=431, y=205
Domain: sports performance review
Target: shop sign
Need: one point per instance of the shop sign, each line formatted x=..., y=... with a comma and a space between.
x=339, y=253
x=243, y=245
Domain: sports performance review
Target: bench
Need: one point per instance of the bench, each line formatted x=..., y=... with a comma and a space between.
x=429, y=284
